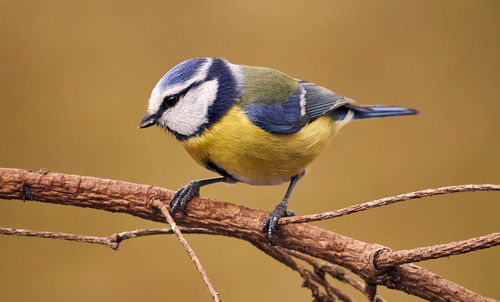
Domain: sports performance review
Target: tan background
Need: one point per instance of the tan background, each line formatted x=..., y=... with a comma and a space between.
x=75, y=77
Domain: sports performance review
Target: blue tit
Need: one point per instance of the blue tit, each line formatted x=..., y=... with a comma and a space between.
x=249, y=124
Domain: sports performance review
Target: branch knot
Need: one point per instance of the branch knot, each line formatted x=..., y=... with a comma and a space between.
x=386, y=275
x=376, y=254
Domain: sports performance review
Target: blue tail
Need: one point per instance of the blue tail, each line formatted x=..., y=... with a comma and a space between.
x=370, y=111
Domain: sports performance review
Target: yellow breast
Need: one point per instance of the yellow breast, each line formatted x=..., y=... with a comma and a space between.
x=254, y=156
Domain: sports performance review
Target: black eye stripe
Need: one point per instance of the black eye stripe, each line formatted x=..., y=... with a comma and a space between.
x=171, y=100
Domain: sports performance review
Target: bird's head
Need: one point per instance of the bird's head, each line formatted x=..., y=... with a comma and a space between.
x=192, y=96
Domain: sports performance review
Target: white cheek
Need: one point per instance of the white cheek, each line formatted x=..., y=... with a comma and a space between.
x=191, y=112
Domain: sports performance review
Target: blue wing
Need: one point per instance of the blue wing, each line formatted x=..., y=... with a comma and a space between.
x=281, y=118
x=304, y=105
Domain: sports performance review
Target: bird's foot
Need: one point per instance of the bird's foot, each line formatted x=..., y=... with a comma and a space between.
x=183, y=196
x=271, y=223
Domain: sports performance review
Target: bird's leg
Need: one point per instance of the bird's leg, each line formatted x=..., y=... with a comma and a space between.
x=271, y=223
x=184, y=194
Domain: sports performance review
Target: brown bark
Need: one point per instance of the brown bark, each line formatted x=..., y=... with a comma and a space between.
x=230, y=220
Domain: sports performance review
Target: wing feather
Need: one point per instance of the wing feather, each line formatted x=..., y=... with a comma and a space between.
x=320, y=101
x=280, y=104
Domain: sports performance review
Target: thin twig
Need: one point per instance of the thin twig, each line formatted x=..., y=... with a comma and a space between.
x=311, y=282
x=164, y=210
x=310, y=278
x=333, y=270
x=113, y=241
x=388, y=258
x=107, y=241
x=387, y=201
x=330, y=289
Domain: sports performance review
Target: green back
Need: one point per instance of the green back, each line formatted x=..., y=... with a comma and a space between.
x=266, y=86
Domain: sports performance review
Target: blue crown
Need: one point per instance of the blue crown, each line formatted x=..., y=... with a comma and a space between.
x=181, y=73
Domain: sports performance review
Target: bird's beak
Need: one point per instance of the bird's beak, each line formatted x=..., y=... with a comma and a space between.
x=147, y=121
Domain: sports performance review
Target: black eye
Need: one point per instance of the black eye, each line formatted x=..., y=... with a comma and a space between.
x=170, y=100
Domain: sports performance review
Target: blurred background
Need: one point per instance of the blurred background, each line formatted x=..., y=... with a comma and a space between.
x=75, y=78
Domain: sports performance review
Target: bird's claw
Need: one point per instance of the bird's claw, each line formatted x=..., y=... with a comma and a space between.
x=271, y=223
x=182, y=196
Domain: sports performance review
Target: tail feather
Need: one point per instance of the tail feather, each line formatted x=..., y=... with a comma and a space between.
x=370, y=111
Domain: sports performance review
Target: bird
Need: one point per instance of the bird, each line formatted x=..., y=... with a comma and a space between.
x=254, y=125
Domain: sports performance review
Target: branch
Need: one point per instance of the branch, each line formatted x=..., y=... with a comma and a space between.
x=388, y=258
x=113, y=241
x=110, y=241
x=230, y=220
x=163, y=208
x=387, y=201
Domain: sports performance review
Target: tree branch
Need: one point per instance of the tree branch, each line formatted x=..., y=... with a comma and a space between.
x=388, y=258
x=113, y=241
x=230, y=220
x=387, y=201
x=163, y=208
